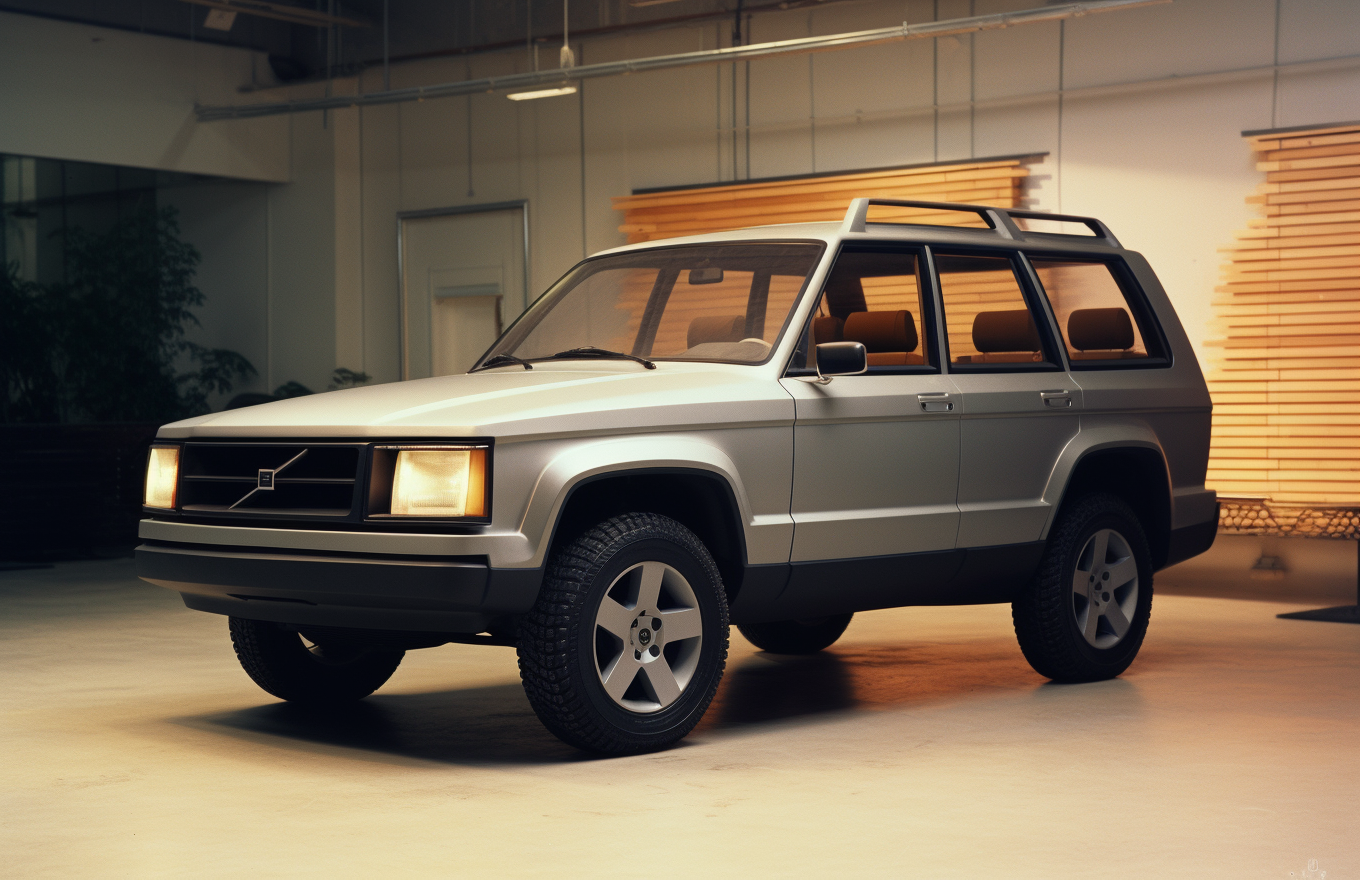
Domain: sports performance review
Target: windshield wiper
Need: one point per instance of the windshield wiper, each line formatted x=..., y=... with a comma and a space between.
x=502, y=360
x=590, y=351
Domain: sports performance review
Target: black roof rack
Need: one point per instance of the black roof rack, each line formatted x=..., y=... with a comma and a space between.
x=999, y=220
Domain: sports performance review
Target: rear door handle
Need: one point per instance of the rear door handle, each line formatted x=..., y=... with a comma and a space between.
x=1056, y=398
x=938, y=402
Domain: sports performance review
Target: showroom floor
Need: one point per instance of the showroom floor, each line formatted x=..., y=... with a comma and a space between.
x=920, y=746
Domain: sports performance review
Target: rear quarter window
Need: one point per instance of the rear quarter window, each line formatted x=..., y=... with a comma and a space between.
x=1104, y=321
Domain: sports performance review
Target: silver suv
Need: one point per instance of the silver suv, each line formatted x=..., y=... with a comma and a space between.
x=773, y=427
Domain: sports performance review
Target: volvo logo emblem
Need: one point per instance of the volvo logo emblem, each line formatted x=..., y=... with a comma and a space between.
x=265, y=481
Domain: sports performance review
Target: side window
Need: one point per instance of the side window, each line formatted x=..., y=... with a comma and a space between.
x=987, y=319
x=1094, y=314
x=874, y=298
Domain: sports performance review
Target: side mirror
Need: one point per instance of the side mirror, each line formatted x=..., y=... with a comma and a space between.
x=841, y=359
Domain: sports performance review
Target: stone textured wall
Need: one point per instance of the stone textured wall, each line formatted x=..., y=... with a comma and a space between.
x=1260, y=517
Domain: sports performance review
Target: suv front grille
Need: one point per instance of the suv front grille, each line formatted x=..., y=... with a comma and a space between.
x=271, y=479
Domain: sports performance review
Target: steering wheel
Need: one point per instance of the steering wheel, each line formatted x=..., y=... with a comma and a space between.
x=758, y=340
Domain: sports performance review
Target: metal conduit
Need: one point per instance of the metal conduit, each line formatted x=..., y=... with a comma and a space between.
x=529, y=79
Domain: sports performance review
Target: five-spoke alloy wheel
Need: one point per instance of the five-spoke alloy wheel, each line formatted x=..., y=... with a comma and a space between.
x=626, y=645
x=1105, y=589
x=645, y=654
x=1084, y=615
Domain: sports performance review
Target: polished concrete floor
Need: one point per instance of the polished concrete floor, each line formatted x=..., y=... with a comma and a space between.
x=920, y=746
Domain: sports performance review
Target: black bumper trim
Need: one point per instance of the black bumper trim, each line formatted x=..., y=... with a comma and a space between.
x=375, y=592
x=1191, y=541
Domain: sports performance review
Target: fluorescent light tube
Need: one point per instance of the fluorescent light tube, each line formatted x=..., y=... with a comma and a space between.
x=542, y=93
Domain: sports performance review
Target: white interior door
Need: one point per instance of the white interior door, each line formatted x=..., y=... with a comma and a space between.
x=462, y=284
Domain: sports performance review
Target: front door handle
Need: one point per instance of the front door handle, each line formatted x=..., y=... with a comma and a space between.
x=939, y=402
x=1056, y=398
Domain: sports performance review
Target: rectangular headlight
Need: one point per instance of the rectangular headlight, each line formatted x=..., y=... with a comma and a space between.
x=439, y=481
x=162, y=473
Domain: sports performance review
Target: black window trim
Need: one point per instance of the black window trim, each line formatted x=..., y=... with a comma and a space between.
x=930, y=339
x=1037, y=305
x=1143, y=313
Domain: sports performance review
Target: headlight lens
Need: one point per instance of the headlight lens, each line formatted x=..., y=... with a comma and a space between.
x=439, y=481
x=162, y=473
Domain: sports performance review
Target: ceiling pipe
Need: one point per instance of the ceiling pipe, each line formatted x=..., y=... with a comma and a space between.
x=283, y=12
x=804, y=45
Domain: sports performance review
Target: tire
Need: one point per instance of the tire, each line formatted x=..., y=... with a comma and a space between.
x=796, y=636
x=281, y=663
x=626, y=645
x=1068, y=630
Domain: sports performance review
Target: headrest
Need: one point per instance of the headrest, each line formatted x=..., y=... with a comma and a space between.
x=844, y=294
x=827, y=328
x=716, y=328
x=1100, y=329
x=882, y=331
x=1005, y=331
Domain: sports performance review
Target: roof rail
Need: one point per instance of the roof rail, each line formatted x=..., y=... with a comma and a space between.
x=999, y=220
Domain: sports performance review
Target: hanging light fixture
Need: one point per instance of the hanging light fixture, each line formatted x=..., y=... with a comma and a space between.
x=566, y=59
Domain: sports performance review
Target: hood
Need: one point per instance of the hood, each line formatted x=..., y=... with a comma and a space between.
x=558, y=400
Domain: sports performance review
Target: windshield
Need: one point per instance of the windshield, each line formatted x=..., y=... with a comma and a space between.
x=717, y=302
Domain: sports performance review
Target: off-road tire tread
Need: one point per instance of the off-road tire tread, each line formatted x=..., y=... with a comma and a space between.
x=1040, y=612
x=795, y=637
x=277, y=661
x=548, y=631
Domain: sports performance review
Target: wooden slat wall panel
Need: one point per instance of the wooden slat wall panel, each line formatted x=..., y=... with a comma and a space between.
x=651, y=216
x=1287, y=383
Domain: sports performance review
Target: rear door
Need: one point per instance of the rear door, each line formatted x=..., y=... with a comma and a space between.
x=1020, y=407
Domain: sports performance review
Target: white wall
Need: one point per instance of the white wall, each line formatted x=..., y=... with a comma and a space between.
x=1140, y=113
x=92, y=94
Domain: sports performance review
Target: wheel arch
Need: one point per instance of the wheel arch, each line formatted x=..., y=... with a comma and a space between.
x=696, y=485
x=1133, y=468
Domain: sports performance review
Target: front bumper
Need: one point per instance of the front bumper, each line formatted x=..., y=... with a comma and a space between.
x=361, y=590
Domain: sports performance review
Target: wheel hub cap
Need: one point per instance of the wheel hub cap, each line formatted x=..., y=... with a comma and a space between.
x=647, y=635
x=1105, y=589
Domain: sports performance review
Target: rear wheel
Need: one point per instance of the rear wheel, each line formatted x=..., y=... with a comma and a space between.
x=300, y=671
x=796, y=636
x=626, y=644
x=1084, y=616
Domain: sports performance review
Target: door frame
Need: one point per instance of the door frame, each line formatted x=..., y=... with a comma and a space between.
x=402, y=216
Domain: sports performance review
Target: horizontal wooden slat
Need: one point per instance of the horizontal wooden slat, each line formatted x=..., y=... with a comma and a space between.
x=858, y=183
x=1338, y=134
x=1333, y=161
x=1269, y=232
x=1311, y=152
x=1309, y=174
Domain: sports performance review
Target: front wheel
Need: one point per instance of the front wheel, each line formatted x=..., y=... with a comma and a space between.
x=1084, y=615
x=625, y=647
x=285, y=665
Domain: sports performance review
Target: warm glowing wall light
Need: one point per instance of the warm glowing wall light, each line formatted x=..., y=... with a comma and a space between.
x=439, y=482
x=162, y=472
x=542, y=93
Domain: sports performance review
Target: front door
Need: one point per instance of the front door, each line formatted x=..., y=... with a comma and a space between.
x=876, y=456
x=463, y=281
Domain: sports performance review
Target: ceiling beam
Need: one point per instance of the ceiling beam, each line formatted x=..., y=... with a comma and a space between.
x=283, y=12
x=561, y=76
